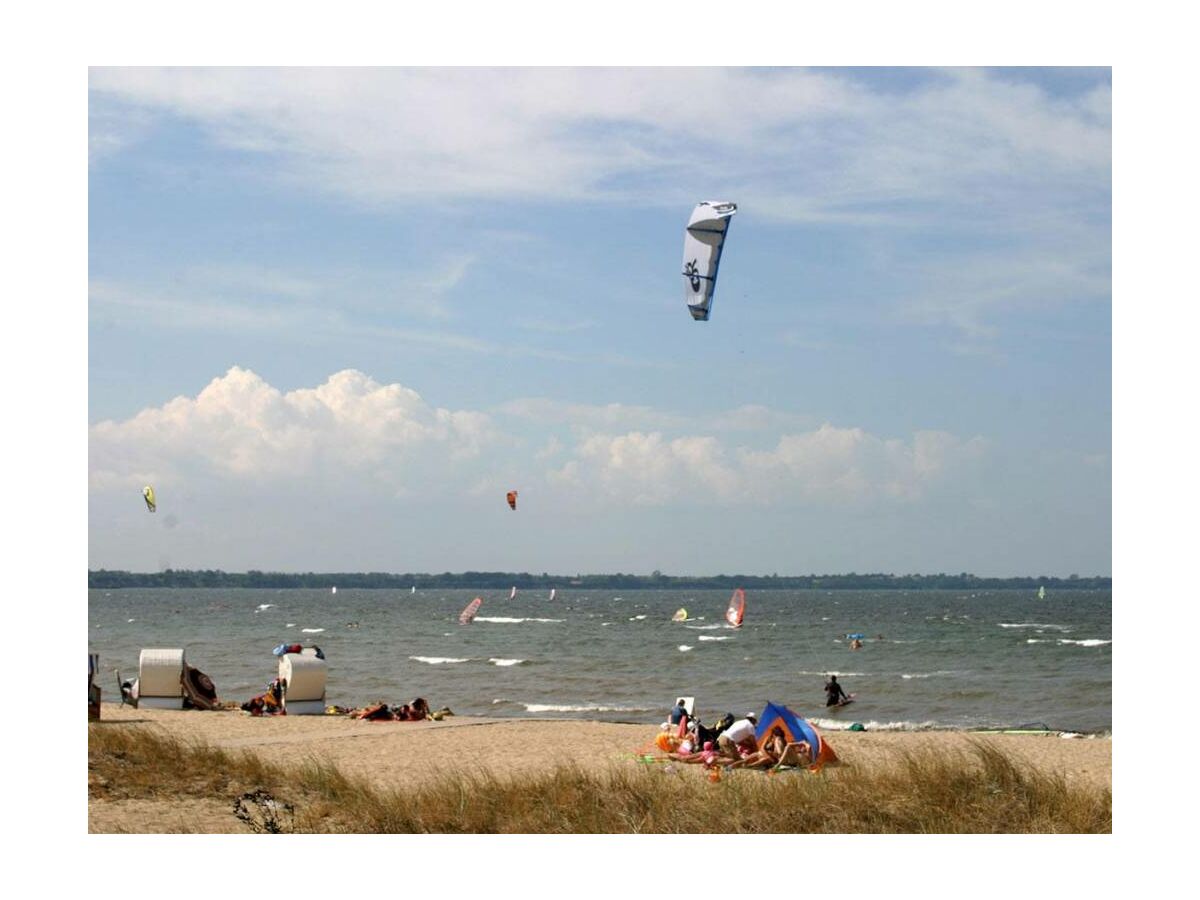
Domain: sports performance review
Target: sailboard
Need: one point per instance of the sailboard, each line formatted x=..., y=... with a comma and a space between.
x=680, y=615
x=736, y=610
x=513, y=593
x=465, y=617
x=1041, y=592
x=845, y=701
x=553, y=591
x=703, y=241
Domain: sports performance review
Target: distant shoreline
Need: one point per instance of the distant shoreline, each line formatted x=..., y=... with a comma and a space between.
x=215, y=578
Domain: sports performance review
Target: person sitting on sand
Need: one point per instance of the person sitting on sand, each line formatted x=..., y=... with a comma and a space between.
x=833, y=692
x=771, y=753
x=738, y=741
x=418, y=710
x=797, y=753
x=678, y=711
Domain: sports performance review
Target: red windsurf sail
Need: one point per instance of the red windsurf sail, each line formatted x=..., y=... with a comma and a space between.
x=737, y=608
x=465, y=617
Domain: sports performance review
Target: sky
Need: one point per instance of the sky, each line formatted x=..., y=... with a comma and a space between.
x=335, y=314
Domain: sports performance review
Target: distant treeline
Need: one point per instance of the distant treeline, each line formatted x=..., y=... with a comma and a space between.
x=215, y=578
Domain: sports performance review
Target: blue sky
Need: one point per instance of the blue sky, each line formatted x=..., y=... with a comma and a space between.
x=335, y=314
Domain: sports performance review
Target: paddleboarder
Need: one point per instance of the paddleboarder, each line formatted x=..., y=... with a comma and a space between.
x=833, y=692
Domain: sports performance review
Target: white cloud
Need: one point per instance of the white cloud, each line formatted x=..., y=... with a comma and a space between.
x=357, y=437
x=589, y=416
x=827, y=465
x=614, y=417
x=240, y=429
x=794, y=144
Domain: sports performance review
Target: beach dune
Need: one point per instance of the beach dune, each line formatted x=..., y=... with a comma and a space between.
x=399, y=754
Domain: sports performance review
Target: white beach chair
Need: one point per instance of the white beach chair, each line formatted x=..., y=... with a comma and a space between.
x=160, y=679
x=303, y=677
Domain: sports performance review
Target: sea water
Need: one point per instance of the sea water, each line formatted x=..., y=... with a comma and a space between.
x=930, y=659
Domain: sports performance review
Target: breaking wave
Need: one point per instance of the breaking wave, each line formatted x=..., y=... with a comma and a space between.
x=438, y=660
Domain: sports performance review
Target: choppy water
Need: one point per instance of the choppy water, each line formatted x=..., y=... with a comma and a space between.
x=944, y=659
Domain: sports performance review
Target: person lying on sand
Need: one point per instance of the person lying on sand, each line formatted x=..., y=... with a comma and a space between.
x=708, y=756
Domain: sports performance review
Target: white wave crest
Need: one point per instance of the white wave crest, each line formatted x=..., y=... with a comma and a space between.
x=555, y=707
x=312, y=630
x=290, y=625
x=438, y=660
x=684, y=648
x=635, y=618
x=929, y=674
x=505, y=662
x=263, y=606
x=715, y=637
x=703, y=627
x=506, y=620
x=1090, y=642
x=836, y=725
x=1033, y=625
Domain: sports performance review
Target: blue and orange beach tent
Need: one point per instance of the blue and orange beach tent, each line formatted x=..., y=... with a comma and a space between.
x=794, y=729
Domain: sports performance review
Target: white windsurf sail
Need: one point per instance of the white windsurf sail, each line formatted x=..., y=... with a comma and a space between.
x=1041, y=592
x=553, y=591
x=703, y=241
x=513, y=593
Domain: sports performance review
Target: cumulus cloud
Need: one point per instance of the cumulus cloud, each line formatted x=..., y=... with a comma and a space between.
x=616, y=417
x=241, y=429
x=354, y=435
x=828, y=464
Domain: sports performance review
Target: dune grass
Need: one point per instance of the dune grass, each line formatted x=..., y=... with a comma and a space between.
x=981, y=791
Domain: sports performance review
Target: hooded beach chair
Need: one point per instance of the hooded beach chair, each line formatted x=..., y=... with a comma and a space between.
x=160, y=679
x=93, y=688
x=302, y=676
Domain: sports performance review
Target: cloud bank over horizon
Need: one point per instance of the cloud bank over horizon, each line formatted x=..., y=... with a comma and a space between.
x=239, y=433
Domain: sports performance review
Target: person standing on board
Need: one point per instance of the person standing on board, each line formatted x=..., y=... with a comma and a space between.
x=833, y=692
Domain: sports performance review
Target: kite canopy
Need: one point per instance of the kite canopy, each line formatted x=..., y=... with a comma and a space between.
x=512, y=499
x=703, y=240
x=148, y=495
x=794, y=729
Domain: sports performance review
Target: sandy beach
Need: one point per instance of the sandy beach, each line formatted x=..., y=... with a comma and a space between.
x=395, y=754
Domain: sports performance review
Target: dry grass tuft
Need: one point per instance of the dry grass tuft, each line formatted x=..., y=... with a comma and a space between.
x=980, y=791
